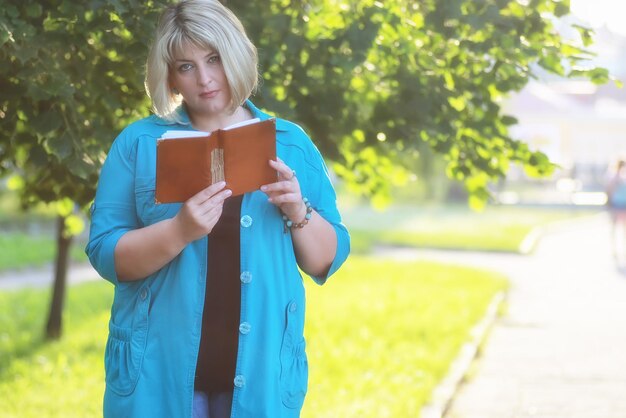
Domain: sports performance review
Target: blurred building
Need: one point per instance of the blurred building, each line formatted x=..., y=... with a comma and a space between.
x=580, y=126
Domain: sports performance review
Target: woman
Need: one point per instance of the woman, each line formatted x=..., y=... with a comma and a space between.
x=208, y=313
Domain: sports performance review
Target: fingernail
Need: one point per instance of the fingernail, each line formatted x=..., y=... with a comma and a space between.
x=263, y=188
x=229, y=192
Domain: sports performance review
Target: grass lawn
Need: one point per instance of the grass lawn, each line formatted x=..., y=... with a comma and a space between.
x=380, y=335
x=27, y=238
x=18, y=250
x=497, y=228
x=13, y=217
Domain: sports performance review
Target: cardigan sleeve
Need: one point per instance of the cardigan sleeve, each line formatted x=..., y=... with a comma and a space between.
x=324, y=200
x=113, y=212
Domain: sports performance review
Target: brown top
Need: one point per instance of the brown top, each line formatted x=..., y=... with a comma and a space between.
x=217, y=356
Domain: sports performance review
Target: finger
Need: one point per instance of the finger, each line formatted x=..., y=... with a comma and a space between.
x=283, y=169
x=212, y=214
x=285, y=186
x=286, y=198
x=206, y=193
x=217, y=200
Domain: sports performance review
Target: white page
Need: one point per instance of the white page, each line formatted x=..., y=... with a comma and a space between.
x=242, y=123
x=194, y=134
x=183, y=134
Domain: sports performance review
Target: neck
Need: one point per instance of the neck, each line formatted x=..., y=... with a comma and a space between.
x=212, y=122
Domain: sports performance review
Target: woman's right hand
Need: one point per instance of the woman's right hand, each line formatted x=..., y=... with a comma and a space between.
x=200, y=213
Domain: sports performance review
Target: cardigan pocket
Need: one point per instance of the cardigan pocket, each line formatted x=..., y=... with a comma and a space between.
x=294, y=367
x=125, y=349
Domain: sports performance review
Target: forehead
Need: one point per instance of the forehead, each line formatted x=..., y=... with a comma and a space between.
x=188, y=50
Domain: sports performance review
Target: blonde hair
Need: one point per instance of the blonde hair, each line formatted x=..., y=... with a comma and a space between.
x=205, y=24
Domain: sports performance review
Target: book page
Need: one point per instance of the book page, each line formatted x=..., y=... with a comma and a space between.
x=242, y=123
x=170, y=134
x=183, y=134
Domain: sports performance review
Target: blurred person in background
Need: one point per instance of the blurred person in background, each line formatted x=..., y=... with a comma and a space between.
x=616, y=200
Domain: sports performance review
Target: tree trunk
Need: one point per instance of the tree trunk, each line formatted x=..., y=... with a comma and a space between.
x=54, y=324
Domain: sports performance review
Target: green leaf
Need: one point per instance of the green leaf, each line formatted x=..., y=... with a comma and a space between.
x=458, y=103
x=15, y=182
x=477, y=202
x=60, y=145
x=46, y=122
x=37, y=157
x=509, y=120
x=586, y=34
x=599, y=75
x=81, y=168
x=33, y=10
x=25, y=53
x=74, y=225
x=561, y=9
x=64, y=207
x=552, y=63
x=5, y=34
x=539, y=165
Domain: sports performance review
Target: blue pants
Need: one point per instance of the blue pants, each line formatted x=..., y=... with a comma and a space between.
x=213, y=405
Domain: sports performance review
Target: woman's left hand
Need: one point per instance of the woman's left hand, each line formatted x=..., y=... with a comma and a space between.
x=285, y=193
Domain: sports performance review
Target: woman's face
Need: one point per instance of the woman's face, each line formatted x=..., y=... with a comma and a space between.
x=199, y=76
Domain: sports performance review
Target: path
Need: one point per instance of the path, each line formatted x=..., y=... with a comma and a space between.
x=560, y=349
x=38, y=277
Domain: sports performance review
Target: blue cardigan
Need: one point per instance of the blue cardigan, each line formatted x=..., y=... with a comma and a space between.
x=154, y=330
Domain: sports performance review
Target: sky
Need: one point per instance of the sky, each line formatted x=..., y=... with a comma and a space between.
x=602, y=12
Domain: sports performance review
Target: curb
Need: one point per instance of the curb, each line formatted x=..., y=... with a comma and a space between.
x=443, y=394
x=530, y=241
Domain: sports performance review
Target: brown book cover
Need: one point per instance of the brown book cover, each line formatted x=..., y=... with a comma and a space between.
x=238, y=155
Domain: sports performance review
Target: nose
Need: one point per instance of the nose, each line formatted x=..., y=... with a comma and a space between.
x=203, y=76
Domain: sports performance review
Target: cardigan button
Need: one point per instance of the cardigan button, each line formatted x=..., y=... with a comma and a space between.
x=245, y=328
x=246, y=221
x=239, y=381
x=245, y=277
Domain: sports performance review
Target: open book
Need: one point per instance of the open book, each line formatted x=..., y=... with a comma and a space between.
x=189, y=161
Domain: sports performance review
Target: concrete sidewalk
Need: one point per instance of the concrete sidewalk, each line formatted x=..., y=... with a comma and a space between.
x=560, y=349
x=44, y=276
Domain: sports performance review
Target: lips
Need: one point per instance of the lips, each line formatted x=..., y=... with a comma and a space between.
x=209, y=94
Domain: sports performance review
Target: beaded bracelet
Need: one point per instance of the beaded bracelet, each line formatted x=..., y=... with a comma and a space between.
x=289, y=224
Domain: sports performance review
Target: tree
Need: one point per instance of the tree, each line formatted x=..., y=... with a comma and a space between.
x=71, y=79
x=372, y=81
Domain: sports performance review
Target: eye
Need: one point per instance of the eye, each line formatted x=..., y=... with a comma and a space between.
x=185, y=67
x=214, y=59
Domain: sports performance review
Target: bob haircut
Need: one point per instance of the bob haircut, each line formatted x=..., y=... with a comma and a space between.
x=205, y=24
